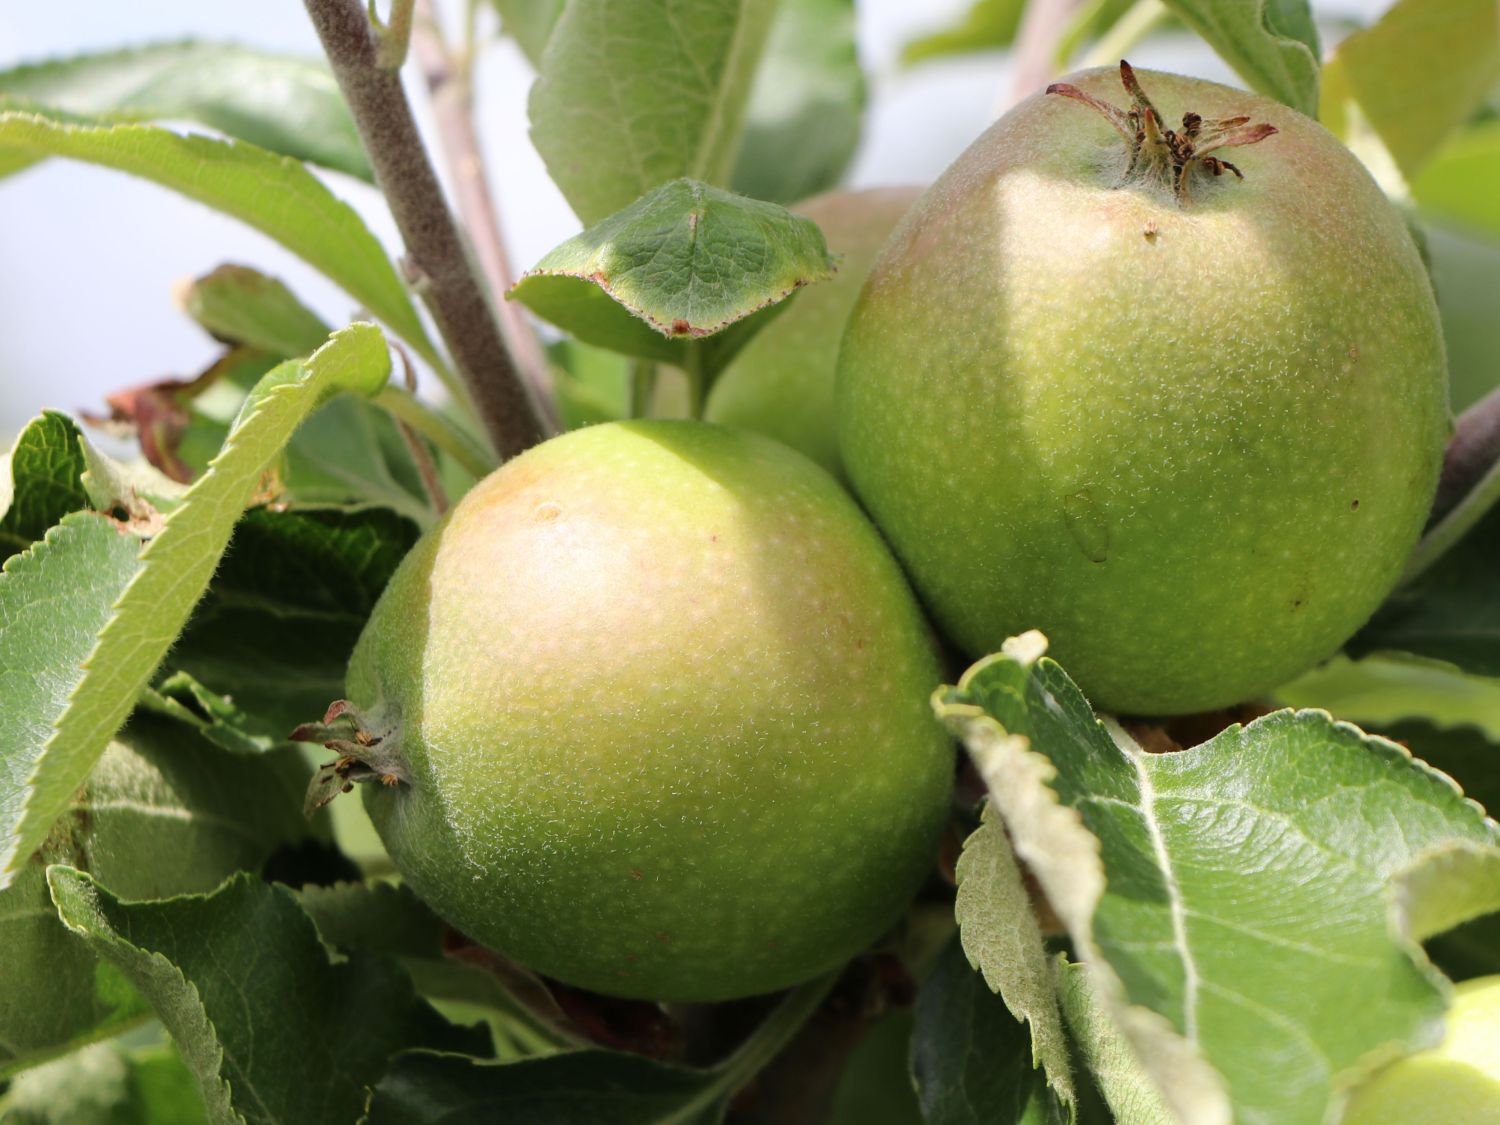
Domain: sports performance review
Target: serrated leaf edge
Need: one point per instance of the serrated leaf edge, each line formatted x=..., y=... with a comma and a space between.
x=292, y=377
x=993, y=831
x=401, y=315
x=669, y=330
x=221, y=1109
x=1018, y=779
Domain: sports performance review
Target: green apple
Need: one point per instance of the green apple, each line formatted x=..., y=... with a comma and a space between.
x=1185, y=417
x=1455, y=1083
x=652, y=703
x=781, y=382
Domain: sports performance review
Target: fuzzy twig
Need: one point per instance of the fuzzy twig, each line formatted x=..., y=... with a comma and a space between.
x=450, y=84
x=435, y=250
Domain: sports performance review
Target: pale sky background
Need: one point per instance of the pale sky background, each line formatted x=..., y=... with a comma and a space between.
x=88, y=257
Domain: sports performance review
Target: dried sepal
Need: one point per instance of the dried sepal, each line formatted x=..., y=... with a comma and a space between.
x=1167, y=157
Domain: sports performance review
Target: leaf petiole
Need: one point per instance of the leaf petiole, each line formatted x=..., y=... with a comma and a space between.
x=466, y=450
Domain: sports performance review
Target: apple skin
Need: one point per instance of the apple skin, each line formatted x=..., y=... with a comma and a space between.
x=1194, y=443
x=1454, y=1083
x=781, y=383
x=660, y=697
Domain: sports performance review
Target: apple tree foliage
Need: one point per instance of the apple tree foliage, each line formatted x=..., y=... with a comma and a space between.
x=1217, y=919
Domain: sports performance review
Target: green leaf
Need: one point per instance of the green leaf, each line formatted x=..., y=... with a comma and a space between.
x=106, y=1084
x=1133, y=1098
x=1093, y=20
x=283, y=104
x=13, y=161
x=212, y=400
x=165, y=813
x=271, y=1029
x=683, y=262
x=1466, y=754
x=375, y=917
x=180, y=697
x=1378, y=691
x=971, y=1059
x=633, y=93
x=162, y=813
x=583, y=1086
x=1272, y=44
x=54, y=996
x=241, y=305
x=1466, y=276
x=1234, y=901
x=390, y=919
x=276, y=626
x=592, y=384
x=91, y=583
x=597, y=1087
x=1458, y=182
x=1420, y=72
x=806, y=106
x=986, y=25
x=55, y=599
x=876, y=1086
x=348, y=452
x=530, y=24
x=41, y=481
x=1451, y=611
x=274, y=194
x=1003, y=940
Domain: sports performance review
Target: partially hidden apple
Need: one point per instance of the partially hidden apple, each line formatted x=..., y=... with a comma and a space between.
x=781, y=383
x=1156, y=370
x=651, y=706
x=1455, y=1083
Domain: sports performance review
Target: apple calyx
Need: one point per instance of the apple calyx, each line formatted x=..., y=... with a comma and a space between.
x=364, y=754
x=1166, y=157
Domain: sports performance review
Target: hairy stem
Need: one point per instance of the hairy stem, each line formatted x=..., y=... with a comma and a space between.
x=449, y=79
x=1468, y=486
x=434, y=247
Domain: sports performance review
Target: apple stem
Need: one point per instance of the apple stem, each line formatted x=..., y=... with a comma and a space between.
x=798, y=1085
x=1471, y=454
x=1468, y=487
x=1166, y=157
x=642, y=387
x=435, y=248
x=697, y=377
x=421, y=456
